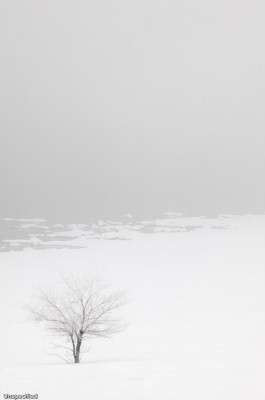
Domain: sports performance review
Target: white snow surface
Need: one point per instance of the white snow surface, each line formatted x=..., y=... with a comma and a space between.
x=196, y=316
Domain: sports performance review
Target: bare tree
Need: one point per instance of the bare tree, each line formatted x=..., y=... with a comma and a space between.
x=83, y=308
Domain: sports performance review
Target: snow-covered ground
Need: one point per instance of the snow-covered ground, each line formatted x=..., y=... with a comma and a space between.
x=196, y=311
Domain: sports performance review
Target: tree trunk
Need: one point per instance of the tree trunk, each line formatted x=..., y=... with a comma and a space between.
x=77, y=350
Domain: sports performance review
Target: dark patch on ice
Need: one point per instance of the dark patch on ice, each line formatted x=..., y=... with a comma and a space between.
x=20, y=234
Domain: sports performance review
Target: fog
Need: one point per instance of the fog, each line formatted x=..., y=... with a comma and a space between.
x=110, y=107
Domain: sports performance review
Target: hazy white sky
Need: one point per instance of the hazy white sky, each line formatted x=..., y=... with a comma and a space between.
x=141, y=106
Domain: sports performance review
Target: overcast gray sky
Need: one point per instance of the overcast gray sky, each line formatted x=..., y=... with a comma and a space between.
x=141, y=106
